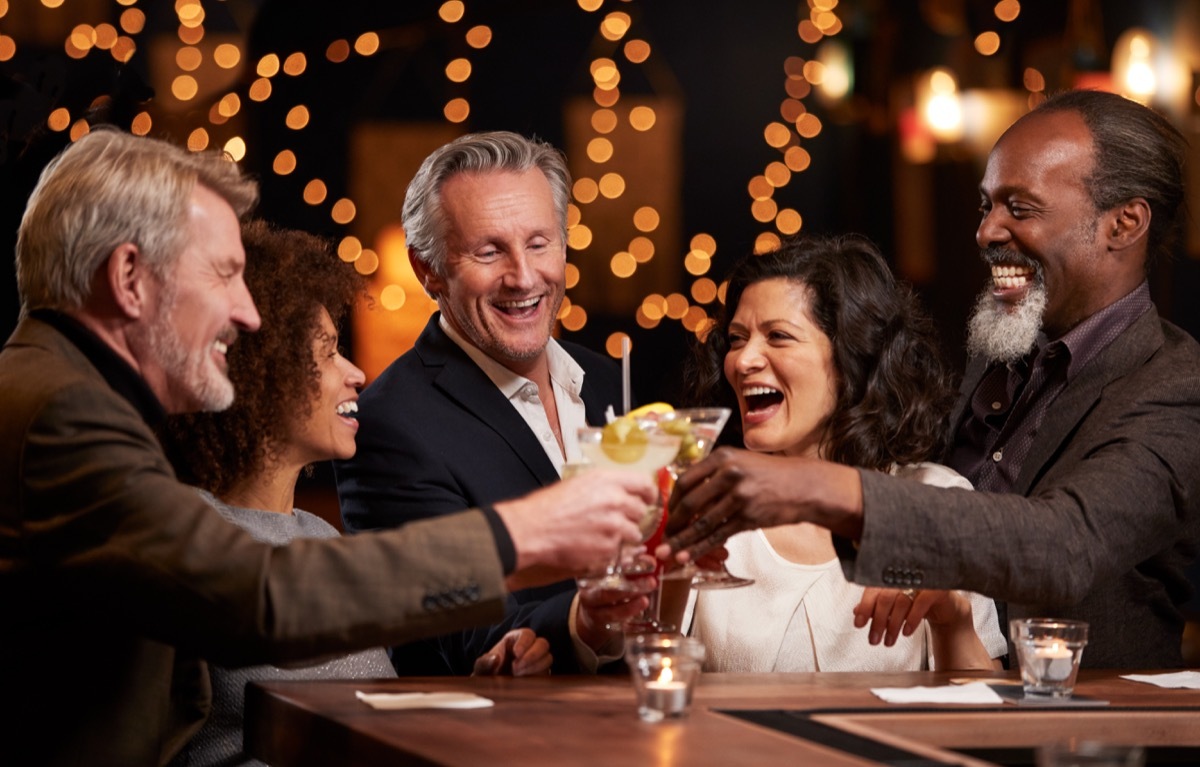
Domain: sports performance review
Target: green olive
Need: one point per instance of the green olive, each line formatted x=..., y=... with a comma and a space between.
x=681, y=427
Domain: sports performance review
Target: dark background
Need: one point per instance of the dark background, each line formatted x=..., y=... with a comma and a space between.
x=726, y=60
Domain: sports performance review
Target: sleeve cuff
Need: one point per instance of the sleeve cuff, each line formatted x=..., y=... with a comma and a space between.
x=504, y=543
x=847, y=554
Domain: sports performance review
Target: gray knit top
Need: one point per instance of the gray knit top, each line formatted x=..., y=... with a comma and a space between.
x=219, y=742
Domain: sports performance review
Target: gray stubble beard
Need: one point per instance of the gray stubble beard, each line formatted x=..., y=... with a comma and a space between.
x=211, y=389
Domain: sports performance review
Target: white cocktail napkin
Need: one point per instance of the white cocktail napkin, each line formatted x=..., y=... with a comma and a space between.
x=390, y=700
x=975, y=692
x=1176, y=679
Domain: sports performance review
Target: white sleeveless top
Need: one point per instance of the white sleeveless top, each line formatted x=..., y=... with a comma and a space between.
x=799, y=617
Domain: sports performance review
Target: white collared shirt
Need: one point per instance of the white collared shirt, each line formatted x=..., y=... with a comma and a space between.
x=566, y=379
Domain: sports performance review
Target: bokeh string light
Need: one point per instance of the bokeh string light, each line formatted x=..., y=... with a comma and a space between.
x=624, y=51
x=195, y=60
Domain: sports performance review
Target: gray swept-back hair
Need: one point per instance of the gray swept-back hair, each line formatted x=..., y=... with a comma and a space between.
x=106, y=189
x=423, y=217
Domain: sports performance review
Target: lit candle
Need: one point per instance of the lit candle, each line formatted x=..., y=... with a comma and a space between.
x=1055, y=661
x=665, y=694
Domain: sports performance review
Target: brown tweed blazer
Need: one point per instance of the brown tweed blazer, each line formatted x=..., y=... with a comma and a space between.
x=116, y=581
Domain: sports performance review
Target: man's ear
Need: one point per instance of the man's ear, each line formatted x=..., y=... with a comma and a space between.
x=127, y=280
x=1130, y=222
x=429, y=281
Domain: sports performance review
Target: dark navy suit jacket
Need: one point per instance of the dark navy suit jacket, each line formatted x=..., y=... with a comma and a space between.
x=436, y=436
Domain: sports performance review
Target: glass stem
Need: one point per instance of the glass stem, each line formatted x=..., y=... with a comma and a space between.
x=647, y=619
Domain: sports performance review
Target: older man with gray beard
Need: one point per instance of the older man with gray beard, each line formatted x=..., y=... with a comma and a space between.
x=1077, y=416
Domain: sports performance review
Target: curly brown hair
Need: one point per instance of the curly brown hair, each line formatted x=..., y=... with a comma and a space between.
x=290, y=274
x=893, y=389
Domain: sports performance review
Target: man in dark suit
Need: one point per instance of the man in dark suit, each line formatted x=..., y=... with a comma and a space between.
x=487, y=403
x=130, y=263
x=1077, y=417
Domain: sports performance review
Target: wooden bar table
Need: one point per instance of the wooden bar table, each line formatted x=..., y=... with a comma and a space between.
x=811, y=719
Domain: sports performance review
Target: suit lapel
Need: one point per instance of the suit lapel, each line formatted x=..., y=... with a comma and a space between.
x=596, y=396
x=457, y=375
x=1128, y=351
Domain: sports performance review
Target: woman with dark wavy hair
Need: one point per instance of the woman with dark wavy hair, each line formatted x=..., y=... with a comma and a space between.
x=824, y=354
x=296, y=398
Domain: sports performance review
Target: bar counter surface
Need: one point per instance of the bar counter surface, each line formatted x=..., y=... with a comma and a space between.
x=832, y=719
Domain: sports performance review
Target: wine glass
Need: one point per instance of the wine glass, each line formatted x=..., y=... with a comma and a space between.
x=698, y=428
x=647, y=452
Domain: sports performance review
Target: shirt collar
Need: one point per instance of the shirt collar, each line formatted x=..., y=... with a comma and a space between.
x=119, y=374
x=564, y=370
x=1087, y=339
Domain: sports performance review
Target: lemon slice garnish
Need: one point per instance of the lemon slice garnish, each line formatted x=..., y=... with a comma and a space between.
x=654, y=408
x=623, y=440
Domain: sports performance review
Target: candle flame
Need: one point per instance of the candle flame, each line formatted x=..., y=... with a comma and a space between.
x=666, y=675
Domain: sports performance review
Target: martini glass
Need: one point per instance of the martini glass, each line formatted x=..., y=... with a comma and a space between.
x=647, y=452
x=698, y=428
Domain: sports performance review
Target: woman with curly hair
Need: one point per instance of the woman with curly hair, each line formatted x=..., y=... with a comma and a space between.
x=282, y=374
x=295, y=404
x=825, y=355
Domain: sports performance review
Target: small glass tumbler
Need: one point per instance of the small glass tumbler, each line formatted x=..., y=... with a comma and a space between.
x=1048, y=652
x=665, y=669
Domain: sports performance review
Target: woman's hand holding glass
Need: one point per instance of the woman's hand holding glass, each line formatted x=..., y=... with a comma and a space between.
x=602, y=613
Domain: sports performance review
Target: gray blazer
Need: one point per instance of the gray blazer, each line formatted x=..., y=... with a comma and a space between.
x=1105, y=517
x=117, y=581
